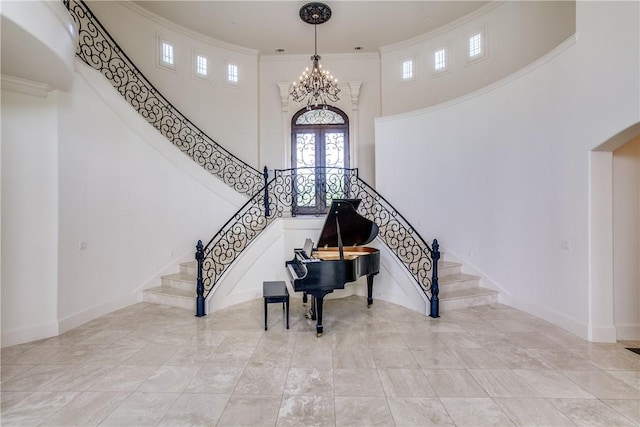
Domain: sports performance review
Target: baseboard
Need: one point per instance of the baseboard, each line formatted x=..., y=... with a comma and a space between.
x=559, y=319
x=32, y=333
x=604, y=334
x=628, y=332
x=96, y=311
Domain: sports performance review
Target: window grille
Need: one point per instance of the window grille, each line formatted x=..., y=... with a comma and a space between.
x=320, y=152
x=320, y=117
x=232, y=73
x=202, y=65
x=167, y=56
x=407, y=70
x=440, y=60
x=475, y=45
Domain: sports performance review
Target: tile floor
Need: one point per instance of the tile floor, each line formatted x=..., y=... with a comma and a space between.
x=152, y=365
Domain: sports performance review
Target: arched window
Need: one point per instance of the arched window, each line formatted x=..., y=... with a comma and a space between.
x=319, y=152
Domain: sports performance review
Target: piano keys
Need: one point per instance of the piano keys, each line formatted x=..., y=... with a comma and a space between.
x=339, y=258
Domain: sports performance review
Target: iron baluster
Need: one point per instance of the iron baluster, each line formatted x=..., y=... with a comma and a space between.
x=435, y=290
x=199, y=283
x=265, y=173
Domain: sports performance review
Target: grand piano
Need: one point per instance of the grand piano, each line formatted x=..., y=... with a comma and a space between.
x=339, y=258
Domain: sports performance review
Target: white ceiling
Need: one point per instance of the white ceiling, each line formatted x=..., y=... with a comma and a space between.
x=270, y=25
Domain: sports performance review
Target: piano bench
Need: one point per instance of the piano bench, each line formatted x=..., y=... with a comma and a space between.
x=275, y=292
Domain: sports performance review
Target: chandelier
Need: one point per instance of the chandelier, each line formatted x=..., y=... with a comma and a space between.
x=317, y=86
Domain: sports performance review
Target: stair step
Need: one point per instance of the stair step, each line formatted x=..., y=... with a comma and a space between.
x=465, y=298
x=457, y=289
x=446, y=268
x=174, y=297
x=457, y=282
x=183, y=281
x=189, y=267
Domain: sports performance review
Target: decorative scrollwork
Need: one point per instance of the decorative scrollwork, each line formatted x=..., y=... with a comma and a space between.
x=286, y=190
x=319, y=116
x=98, y=50
x=397, y=233
x=302, y=190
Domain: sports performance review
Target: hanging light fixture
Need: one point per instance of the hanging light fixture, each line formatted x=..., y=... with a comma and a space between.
x=317, y=86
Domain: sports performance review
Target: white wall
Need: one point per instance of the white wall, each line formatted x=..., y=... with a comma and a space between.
x=45, y=29
x=626, y=240
x=500, y=177
x=96, y=204
x=29, y=217
x=516, y=33
x=227, y=113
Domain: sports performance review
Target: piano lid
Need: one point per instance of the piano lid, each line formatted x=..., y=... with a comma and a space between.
x=355, y=229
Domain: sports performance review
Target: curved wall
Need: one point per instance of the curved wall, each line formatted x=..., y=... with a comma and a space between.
x=227, y=113
x=38, y=43
x=516, y=33
x=252, y=120
x=502, y=177
x=97, y=205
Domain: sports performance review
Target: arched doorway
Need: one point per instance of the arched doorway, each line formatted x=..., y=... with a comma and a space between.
x=319, y=153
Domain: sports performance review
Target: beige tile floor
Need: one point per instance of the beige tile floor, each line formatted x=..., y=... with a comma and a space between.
x=151, y=365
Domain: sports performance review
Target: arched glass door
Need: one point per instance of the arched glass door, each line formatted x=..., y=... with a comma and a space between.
x=319, y=153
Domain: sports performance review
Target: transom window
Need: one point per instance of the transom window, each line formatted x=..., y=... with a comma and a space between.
x=319, y=153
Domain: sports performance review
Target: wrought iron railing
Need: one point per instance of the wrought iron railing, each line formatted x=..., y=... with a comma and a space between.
x=98, y=50
x=298, y=191
x=311, y=189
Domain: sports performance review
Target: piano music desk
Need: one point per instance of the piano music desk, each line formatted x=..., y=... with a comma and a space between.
x=275, y=292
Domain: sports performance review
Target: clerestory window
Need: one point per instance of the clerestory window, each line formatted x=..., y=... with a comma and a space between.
x=476, y=46
x=407, y=70
x=440, y=60
x=166, y=57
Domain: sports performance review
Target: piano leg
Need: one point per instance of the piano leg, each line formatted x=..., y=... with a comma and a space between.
x=318, y=305
x=313, y=310
x=369, y=289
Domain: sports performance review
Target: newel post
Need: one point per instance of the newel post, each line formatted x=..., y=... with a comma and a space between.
x=435, y=290
x=265, y=173
x=199, y=284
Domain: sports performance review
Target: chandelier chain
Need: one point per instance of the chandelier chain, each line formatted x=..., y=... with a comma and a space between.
x=318, y=87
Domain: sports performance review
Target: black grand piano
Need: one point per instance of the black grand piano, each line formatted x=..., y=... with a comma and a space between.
x=338, y=259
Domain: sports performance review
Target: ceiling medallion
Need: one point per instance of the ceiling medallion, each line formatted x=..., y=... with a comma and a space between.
x=315, y=13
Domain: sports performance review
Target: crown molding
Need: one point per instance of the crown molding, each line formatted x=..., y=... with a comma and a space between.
x=558, y=50
x=185, y=31
x=329, y=56
x=24, y=86
x=445, y=28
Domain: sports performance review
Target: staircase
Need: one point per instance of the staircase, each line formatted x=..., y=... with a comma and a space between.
x=457, y=289
x=460, y=290
x=177, y=289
